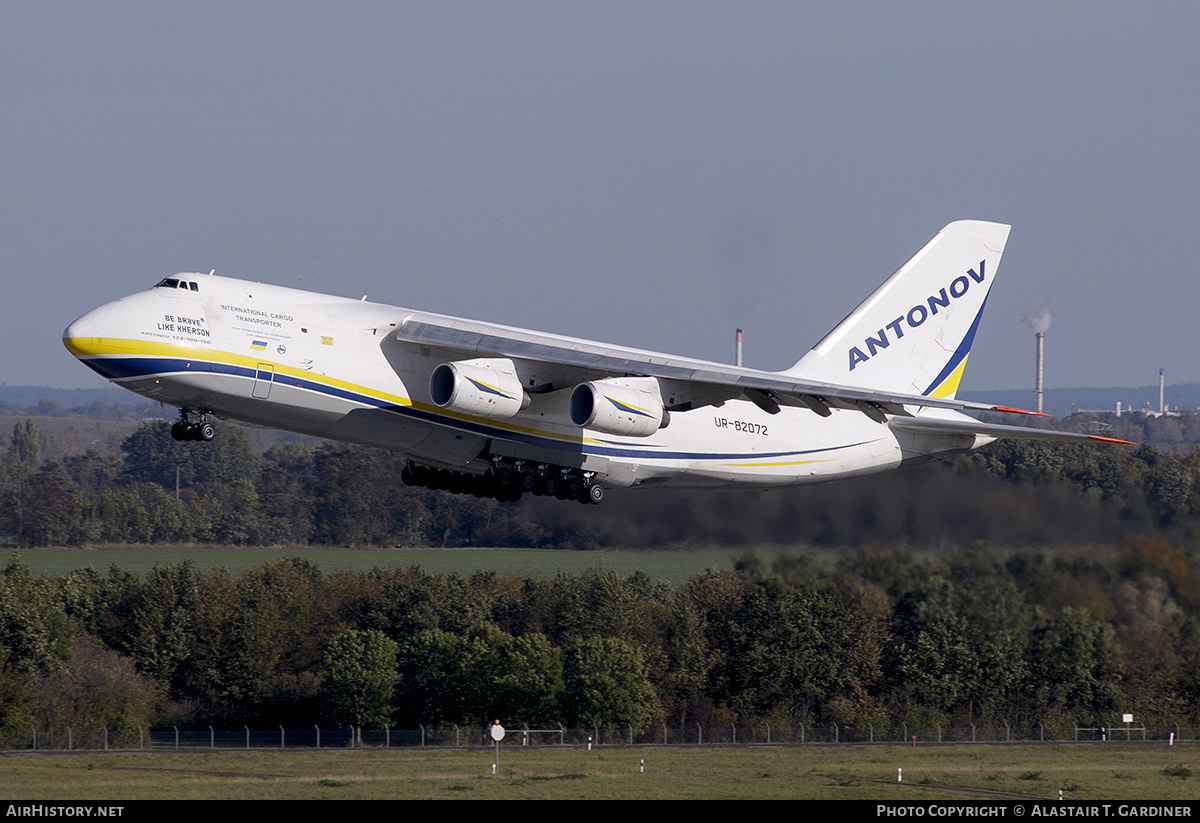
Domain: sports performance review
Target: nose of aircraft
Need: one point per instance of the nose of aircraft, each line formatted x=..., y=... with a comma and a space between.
x=83, y=337
x=108, y=331
x=98, y=330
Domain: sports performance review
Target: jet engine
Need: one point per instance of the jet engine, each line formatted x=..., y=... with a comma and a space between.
x=486, y=387
x=619, y=405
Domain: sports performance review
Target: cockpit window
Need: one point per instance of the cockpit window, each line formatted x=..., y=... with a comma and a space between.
x=174, y=283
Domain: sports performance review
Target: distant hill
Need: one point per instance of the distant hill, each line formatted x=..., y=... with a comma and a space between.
x=1062, y=402
x=30, y=396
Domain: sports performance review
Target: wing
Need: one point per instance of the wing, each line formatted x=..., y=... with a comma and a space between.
x=902, y=349
x=965, y=425
x=547, y=362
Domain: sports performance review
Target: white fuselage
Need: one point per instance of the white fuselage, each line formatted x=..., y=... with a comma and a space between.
x=333, y=367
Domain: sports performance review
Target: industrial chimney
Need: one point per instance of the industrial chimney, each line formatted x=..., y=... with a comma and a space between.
x=1039, y=321
x=1037, y=386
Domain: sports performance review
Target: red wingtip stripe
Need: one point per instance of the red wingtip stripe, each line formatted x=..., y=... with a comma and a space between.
x=1020, y=411
x=1110, y=440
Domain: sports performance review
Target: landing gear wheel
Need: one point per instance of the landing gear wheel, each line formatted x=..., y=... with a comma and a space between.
x=573, y=488
x=206, y=432
x=505, y=476
x=594, y=494
x=527, y=481
x=179, y=431
x=550, y=485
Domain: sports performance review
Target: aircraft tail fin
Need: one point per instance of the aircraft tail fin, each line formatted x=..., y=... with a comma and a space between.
x=913, y=334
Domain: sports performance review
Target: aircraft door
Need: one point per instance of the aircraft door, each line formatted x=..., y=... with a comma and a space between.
x=264, y=377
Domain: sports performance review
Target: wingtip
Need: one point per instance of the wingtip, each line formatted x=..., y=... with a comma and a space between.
x=1111, y=440
x=1020, y=411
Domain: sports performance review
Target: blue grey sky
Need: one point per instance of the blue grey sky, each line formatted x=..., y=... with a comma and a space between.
x=651, y=174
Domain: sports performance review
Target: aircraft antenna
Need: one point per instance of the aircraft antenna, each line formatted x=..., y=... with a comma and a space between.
x=738, y=350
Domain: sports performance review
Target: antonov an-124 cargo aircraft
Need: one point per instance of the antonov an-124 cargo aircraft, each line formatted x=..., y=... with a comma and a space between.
x=498, y=411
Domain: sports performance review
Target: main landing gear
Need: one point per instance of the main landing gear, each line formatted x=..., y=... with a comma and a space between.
x=507, y=482
x=187, y=429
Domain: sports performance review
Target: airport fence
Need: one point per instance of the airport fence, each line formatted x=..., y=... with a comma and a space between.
x=318, y=737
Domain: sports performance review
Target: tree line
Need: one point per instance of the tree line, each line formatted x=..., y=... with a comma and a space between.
x=156, y=490
x=971, y=635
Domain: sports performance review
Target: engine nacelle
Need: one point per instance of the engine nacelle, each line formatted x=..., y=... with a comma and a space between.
x=486, y=387
x=619, y=405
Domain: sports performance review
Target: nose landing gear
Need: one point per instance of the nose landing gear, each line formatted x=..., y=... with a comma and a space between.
x=187, y=429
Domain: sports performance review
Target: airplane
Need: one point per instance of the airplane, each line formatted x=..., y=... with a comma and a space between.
x=498, y=411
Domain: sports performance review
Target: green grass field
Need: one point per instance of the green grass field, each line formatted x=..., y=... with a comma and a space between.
x=1083, y=772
